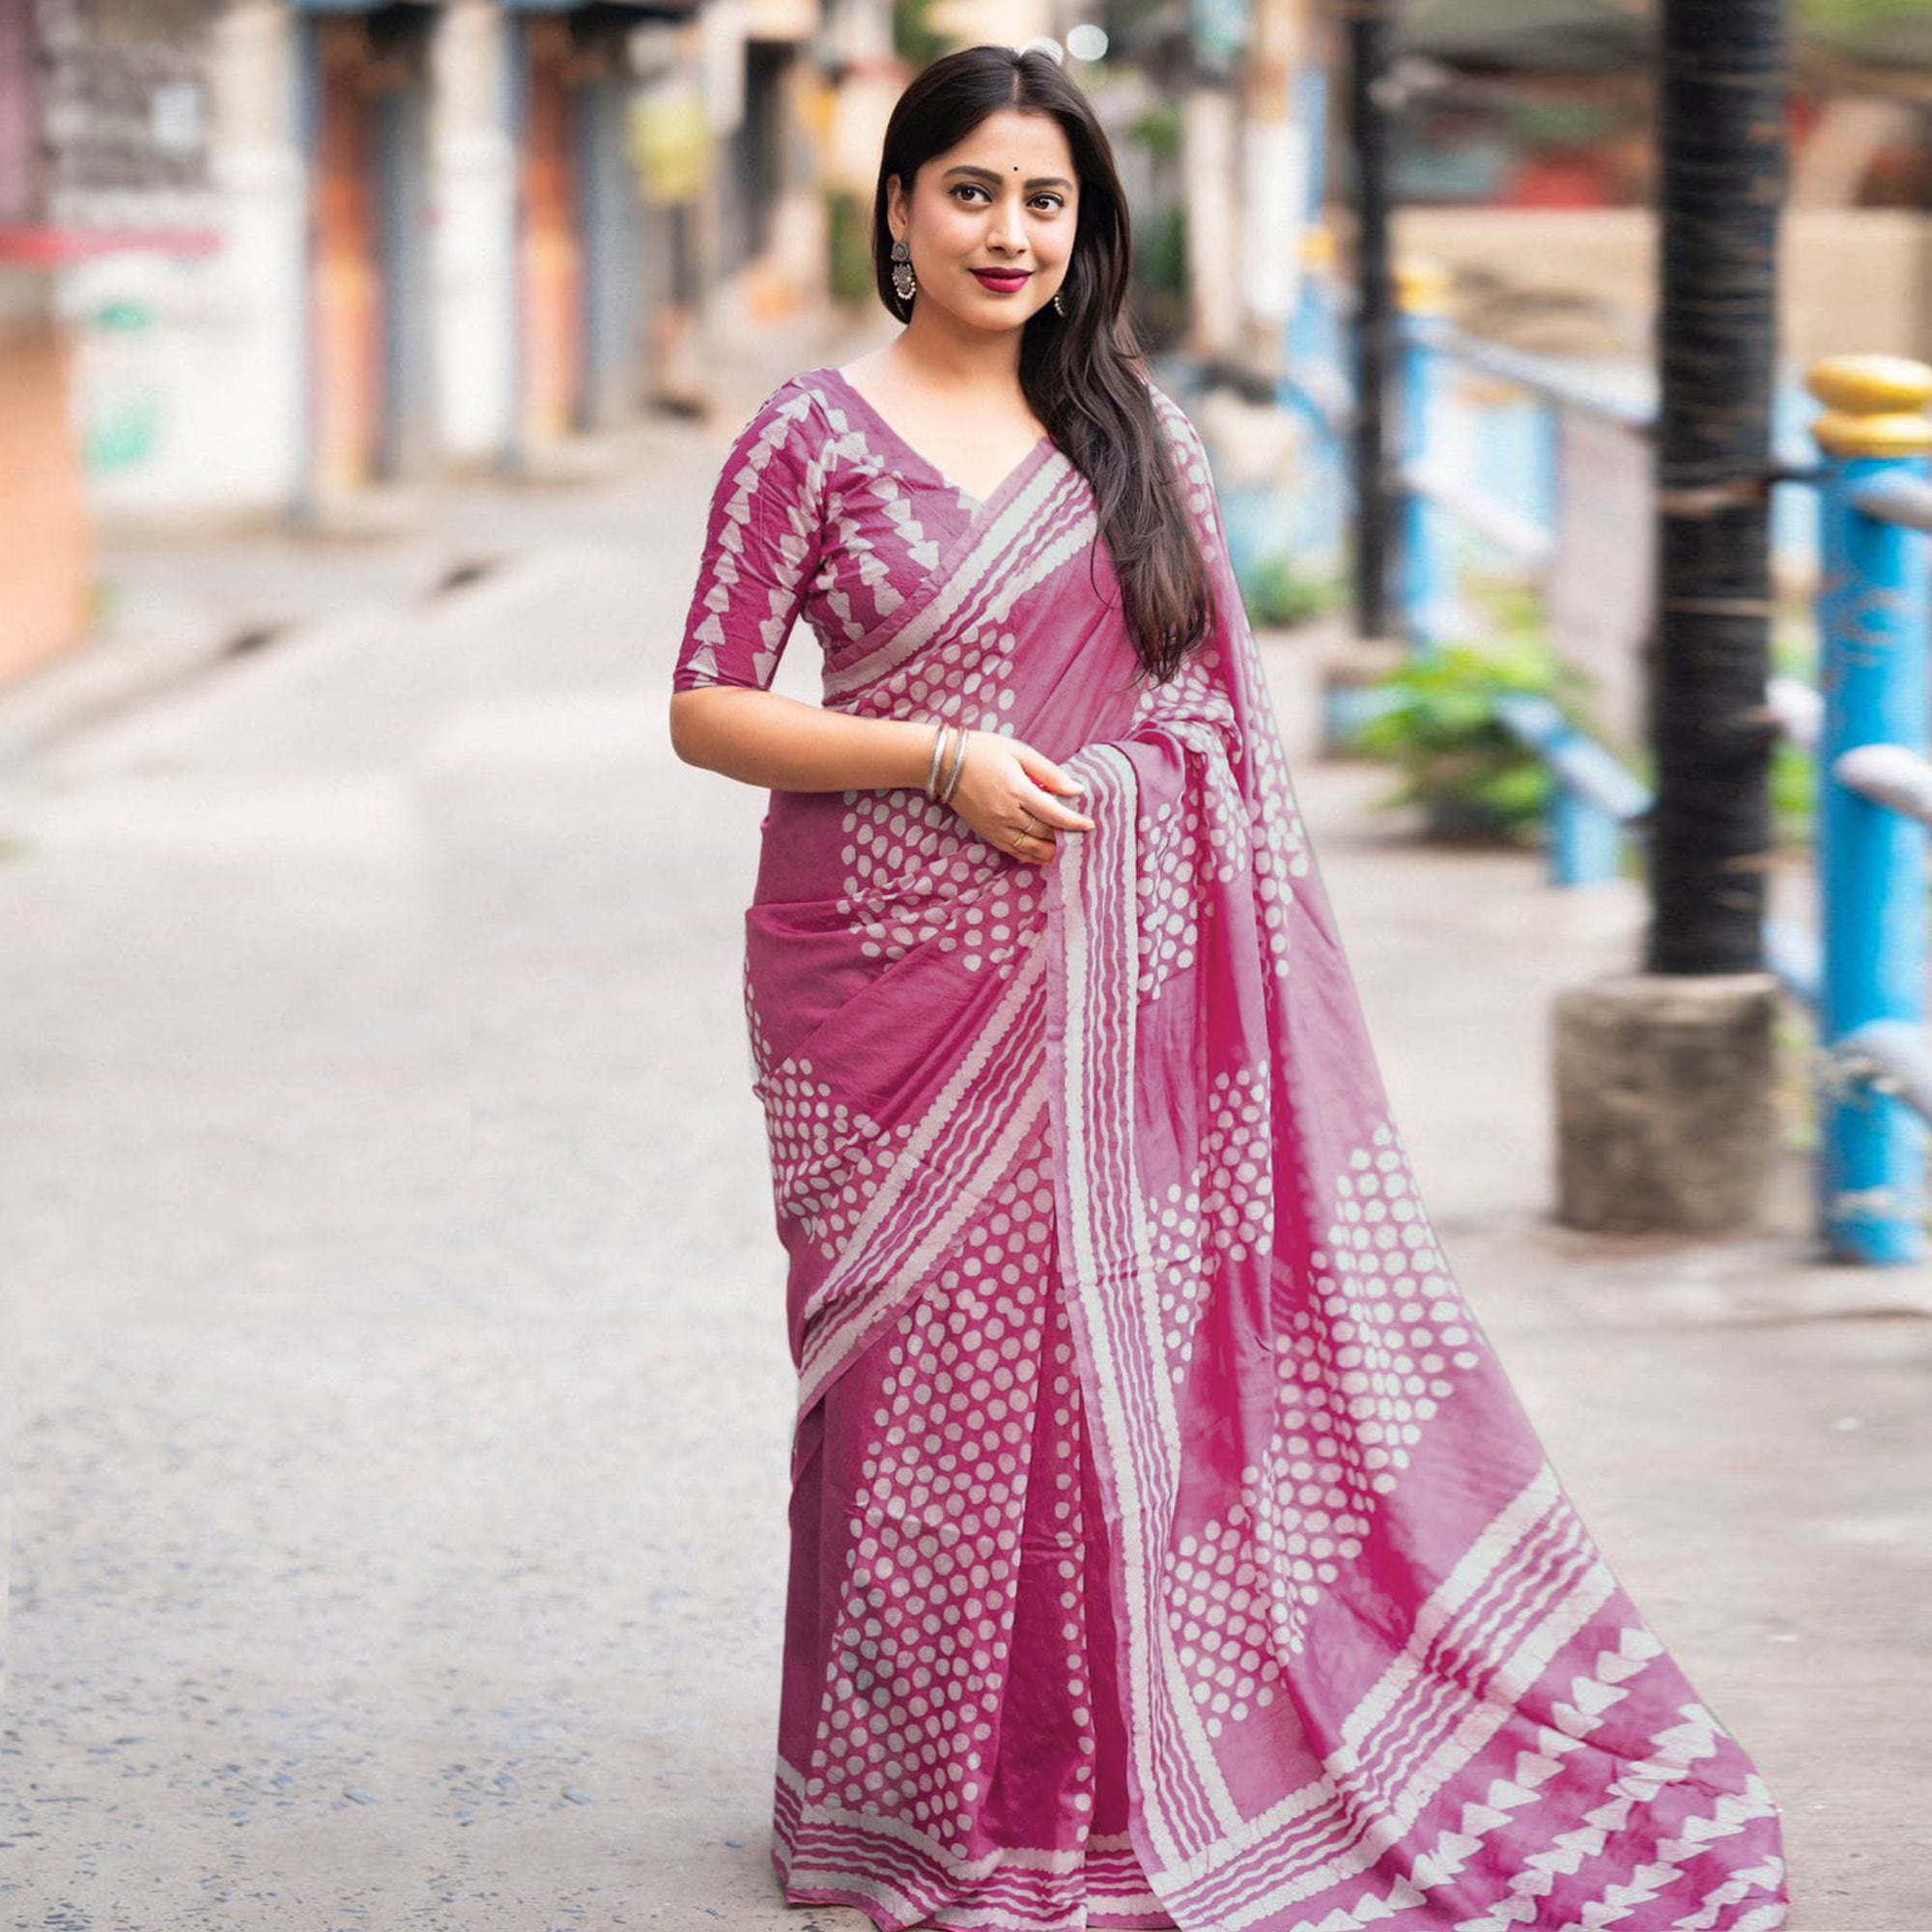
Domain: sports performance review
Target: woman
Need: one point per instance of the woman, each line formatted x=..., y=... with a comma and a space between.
x=1168, y=1547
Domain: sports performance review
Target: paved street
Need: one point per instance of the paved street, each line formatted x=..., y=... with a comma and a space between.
x=402, y=1401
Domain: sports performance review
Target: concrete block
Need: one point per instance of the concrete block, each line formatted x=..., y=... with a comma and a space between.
x=1665, y=1102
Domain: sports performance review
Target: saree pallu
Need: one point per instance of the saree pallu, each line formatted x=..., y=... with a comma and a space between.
x=1169, y=1547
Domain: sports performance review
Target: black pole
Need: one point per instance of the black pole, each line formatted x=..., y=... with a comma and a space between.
x=1723, y=102
x=1370, y=35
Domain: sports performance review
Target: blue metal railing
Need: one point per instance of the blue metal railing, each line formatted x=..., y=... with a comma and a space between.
x=1874, y=804
x=1595, y=803
x=1863, y=972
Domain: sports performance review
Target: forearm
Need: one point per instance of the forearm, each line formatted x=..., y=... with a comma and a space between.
x=764, y=738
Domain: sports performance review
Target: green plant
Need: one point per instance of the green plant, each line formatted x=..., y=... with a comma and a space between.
x=1793, y=769
x=852, y=277
x=916, y=39
x=1277, y=594
x=1160, y=275
x=1560, y=126
x=1158, y=129
x=1851, y=14
x=1794, y=795
x=1456, y=756
x=1160, y=248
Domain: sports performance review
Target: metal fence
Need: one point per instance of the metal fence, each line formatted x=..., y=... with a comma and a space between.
x=1862, y=466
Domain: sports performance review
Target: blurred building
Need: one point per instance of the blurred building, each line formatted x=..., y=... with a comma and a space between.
x=263, y=259
x=458, y=235
x=101, y=151
x=1528, y=165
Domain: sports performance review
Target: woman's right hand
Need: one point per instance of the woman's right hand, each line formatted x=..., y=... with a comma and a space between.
x=1007, y=794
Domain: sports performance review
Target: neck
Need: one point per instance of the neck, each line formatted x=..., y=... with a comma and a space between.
x=941, y=355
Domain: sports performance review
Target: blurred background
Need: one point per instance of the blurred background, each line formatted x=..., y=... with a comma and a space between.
x=400, y=1400
x=288, y=260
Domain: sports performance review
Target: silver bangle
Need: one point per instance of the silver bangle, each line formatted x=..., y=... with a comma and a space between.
x=950, y=784
x=938, y=753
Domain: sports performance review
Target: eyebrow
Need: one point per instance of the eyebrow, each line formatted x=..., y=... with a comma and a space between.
x=987, y=174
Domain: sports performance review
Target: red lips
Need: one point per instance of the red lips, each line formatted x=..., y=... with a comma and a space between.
x=1006, y=280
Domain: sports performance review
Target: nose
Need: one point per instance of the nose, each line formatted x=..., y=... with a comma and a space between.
x=1005, y=229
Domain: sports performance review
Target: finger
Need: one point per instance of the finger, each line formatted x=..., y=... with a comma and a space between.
x=1049, y=810
x=1052, y=810
x=1039, y=767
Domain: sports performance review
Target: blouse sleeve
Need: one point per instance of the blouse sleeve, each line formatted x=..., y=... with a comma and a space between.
x=762, y=547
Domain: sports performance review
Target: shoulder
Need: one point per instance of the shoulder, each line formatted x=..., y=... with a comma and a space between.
x=782, y=444
x=786, y=417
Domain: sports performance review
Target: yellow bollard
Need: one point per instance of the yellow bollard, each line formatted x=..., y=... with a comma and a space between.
x=1875, y=406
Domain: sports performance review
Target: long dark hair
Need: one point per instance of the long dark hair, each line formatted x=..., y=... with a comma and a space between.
x=1084, y=372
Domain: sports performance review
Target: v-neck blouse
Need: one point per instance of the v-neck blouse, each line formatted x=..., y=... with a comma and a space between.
x=872, y=412
x=821, y=508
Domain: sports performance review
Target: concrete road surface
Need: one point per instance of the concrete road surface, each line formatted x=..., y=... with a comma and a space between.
x=403, y=1400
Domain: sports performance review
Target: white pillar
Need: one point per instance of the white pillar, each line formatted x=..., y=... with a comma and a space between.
x=1208, y=175
x=195, y=402
x=473, y=187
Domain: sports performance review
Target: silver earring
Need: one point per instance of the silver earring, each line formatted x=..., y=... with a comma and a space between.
x=1059, y=306
x=904, y=282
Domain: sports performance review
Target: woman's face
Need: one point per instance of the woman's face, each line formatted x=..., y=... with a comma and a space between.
x=1004, y=199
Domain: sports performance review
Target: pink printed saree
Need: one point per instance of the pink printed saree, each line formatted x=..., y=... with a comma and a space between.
x=1168, y=1546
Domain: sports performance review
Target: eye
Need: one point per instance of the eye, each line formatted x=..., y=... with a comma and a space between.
x=1054, y=202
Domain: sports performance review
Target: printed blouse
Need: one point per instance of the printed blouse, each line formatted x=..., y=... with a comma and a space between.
x=820, y=510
